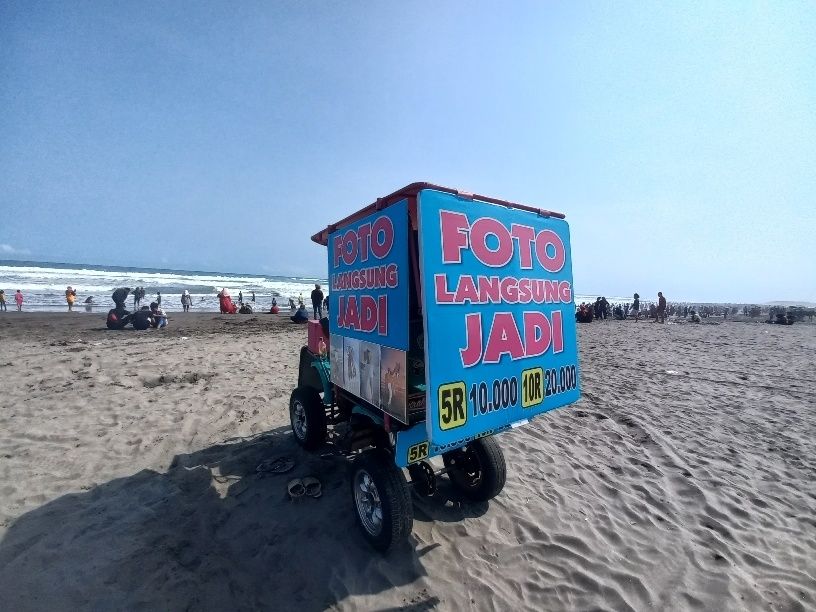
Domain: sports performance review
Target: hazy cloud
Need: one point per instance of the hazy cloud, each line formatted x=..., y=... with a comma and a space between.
x=7, y=249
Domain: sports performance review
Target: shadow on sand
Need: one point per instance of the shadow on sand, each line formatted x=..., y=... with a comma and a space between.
x=211, y=533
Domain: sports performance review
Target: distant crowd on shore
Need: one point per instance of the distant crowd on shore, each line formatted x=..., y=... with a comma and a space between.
x=139, y=294
x=320, y=303
x=602, y=309
x=586, y=312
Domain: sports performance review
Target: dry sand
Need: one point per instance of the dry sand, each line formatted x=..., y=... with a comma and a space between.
x=684, y=479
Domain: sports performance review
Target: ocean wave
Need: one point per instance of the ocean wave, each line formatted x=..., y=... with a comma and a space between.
x=44, y=286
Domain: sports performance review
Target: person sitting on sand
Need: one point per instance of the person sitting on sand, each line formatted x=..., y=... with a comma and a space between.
x=158, y=316
x=142, y=319
x=585, y=313
x=301, y=316
x=119, y=317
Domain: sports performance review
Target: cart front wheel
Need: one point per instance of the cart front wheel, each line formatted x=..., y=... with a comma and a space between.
x=382, y=499
x=477, y=470
x=308, y=418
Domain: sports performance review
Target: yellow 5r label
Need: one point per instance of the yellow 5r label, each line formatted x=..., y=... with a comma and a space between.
x=417, y=452
x=453, y=409
x=532, y=387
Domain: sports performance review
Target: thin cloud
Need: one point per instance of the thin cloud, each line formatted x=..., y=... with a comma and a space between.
x=7, y=249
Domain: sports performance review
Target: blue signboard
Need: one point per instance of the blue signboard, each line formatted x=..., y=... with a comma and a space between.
x=500, y=337
x=369, y=278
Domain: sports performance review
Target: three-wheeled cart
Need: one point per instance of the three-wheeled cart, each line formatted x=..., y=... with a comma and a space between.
x=450, y=320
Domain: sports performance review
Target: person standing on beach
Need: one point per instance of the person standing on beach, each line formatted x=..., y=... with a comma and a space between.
x=253, y=296
x=317, y=302
x=158, y=298
x=636, y=307
x=137, y=298
x=70, y=296
x=18, y=297
x=3, y=301
x=240, y=297
x=661, y=308
x=186, y=301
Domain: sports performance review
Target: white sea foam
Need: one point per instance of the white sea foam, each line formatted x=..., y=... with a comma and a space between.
x=44, y=286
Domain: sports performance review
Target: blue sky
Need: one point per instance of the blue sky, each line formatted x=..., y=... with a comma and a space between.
x=679, y=139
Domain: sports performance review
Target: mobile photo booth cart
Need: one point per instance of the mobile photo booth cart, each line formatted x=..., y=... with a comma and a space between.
x=451, y=320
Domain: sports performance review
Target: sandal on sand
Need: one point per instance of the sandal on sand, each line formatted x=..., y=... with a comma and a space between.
x=296, y=488
x=313, y=487
x=278, y=465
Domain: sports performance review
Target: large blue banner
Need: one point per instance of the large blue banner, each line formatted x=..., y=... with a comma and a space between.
x=369, y=278
x=500, y=337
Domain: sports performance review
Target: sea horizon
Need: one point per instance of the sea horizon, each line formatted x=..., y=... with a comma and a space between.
x=44, y=282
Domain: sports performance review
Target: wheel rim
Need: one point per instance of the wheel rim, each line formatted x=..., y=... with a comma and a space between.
x=369, y=504
x=299, y=420
x=467, y=469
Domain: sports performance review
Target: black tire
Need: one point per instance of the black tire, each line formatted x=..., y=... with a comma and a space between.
x=477, y=470
x=378, y=484
x=307, y=417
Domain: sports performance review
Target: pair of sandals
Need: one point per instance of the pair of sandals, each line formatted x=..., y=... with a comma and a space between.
x=309, y=486
x=297, y=487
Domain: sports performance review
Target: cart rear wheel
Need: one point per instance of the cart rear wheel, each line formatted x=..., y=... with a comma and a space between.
x=477, y=470
x=308, y=418
x=382, y=499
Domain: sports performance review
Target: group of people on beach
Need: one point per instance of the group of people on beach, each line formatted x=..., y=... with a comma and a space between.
x=602, y=309
x=320, y=302
x=659, y=310
x=145, y=317
x=18, y=298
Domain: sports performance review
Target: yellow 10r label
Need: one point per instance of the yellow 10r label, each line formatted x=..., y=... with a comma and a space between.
x=452, y=405
x=532, y=387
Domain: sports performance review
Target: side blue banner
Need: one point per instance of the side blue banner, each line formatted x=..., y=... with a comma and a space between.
x=500, y=337
x=369, y=278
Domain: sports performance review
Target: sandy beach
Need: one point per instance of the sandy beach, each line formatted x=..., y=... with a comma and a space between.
x=685, y=479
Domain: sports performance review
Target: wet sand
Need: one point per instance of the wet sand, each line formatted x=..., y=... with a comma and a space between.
x=684, y=479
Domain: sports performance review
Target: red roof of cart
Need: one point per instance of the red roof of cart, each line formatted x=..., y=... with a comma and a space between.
x=322, y=237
